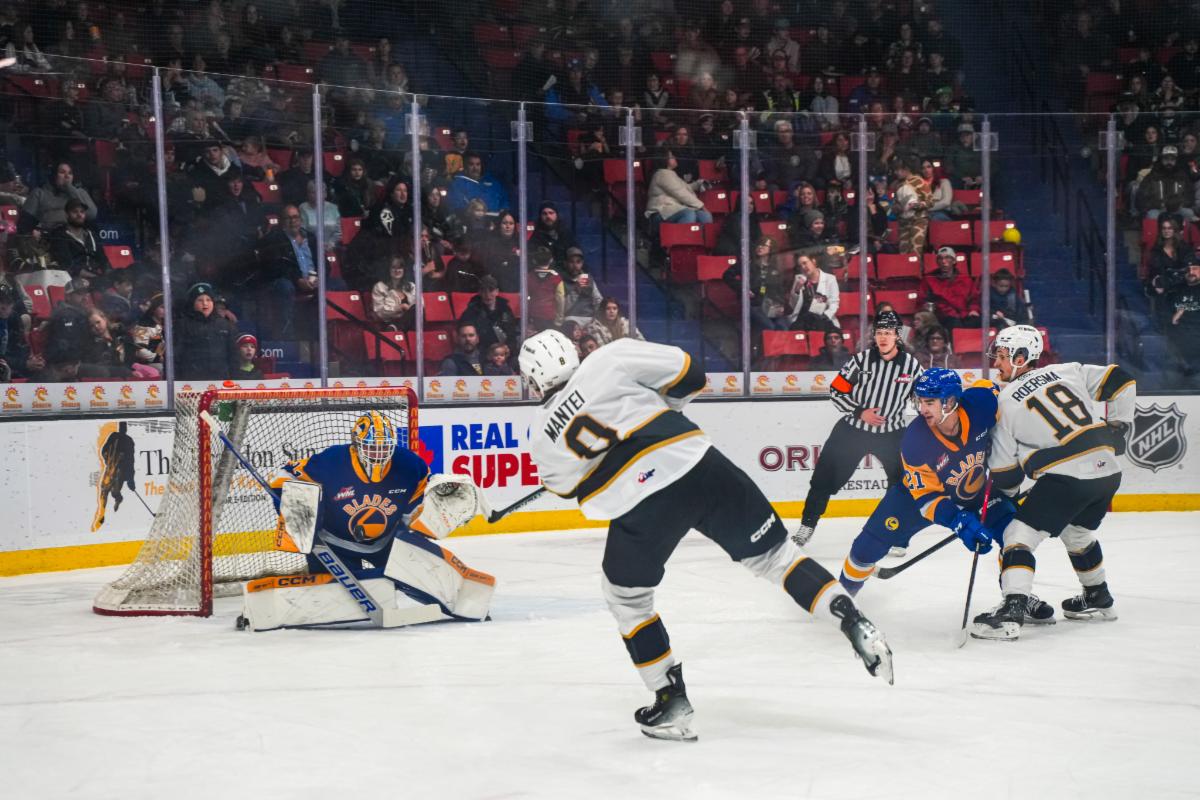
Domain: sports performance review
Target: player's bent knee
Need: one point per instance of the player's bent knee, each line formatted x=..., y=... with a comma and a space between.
x=1019, y=534
x=631, y=605
x=1076, y=538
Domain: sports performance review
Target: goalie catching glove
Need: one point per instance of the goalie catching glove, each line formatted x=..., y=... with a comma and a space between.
x=450, y=502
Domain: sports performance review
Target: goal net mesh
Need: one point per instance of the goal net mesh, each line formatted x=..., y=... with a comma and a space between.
x=216, y=526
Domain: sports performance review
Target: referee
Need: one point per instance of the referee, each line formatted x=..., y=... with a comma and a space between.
x=871, y=391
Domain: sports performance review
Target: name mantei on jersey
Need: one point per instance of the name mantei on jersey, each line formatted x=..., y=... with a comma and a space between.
x=563, y=414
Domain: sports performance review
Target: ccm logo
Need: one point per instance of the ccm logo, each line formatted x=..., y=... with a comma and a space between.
x=347, y=580
x=762, y=530
x=297, y=580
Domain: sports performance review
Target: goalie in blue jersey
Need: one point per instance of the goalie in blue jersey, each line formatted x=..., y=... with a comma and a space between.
x=375, y=505
x=944, y=456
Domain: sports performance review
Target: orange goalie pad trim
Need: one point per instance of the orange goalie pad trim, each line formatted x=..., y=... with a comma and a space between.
x=283, y=540
x=466, y=572
x=287, y=582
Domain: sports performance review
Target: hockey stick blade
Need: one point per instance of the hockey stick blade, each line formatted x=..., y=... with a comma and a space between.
x=891, y=572
x=496, y=516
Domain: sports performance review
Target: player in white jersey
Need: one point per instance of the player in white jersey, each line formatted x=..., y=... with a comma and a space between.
x=610, y=435
x=1048, y=431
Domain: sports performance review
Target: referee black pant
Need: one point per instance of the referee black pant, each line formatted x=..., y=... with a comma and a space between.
x=843, y=450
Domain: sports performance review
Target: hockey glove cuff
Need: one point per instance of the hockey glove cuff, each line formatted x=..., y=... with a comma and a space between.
x=1119, y=431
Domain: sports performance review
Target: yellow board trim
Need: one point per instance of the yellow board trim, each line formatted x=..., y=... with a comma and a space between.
x=88, y=556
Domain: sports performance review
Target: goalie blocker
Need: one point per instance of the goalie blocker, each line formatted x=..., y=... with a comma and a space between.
x=420, y=581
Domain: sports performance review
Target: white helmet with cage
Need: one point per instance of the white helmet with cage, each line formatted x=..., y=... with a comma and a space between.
x=1018, y=340
x=548, y=360
x=373, y=441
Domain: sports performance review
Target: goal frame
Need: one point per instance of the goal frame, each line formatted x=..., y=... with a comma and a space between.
x=206, y=471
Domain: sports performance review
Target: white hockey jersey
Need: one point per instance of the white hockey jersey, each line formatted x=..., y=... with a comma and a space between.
x=614, y=434
x=1049, y=424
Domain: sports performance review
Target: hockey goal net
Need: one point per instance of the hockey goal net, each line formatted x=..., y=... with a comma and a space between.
x=216, y=527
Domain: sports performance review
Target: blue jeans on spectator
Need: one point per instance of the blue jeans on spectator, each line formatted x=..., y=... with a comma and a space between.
x=691, y=215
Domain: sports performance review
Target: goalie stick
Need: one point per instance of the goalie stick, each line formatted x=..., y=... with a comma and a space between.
x=380, y=616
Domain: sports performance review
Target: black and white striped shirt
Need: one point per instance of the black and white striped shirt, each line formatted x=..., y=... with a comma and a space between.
x=867, y=381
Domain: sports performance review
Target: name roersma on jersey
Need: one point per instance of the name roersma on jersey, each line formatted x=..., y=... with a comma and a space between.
x=1034, y=383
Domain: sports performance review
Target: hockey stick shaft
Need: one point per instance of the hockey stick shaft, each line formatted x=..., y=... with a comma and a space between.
x=496, y=516
x=324, y=554
x=890, y=572
x=145, y=505
x=962, y=635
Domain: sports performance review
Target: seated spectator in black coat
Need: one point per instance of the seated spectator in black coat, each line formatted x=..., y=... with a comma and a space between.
x=205, y=342
x=107, y=352
x=1007, y=304
x=833, y=355
x=491, y=315
x=293, y=182
x=393, y=216
x=465, y=359
x=66, y=331
x=464, y=270
x=75, y=247
x=501, y=252
x=16, y=360
x=1184, y=331
x=551, y=233
x=1167, y=261
x=355, y=192
x=210, y=174
x=287, y=267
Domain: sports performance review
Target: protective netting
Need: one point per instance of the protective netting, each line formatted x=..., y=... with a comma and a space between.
x=269, y=428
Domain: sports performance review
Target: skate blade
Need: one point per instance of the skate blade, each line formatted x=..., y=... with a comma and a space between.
x=884, y=667
x=1034, y=621
x=680, y=730
x=1098, y=615
x=1007, y=632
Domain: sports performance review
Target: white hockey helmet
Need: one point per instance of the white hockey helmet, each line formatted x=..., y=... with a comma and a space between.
x=548, y=360
x=1016, y=339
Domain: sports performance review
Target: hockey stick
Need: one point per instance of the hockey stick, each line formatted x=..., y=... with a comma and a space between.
x=890, y=572
x=144, y=504
x=962, y=635
x=496, y=516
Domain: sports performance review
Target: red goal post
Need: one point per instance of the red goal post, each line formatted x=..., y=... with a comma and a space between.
x=215, y=527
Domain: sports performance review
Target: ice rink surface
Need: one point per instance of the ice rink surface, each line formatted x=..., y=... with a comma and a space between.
x=538, y=702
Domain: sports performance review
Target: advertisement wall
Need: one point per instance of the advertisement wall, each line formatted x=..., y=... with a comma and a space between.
x=51, y=474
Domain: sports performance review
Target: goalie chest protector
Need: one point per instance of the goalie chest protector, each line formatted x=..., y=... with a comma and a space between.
x=350, y=499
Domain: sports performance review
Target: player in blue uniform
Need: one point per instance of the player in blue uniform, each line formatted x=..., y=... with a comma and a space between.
x=944, y=456
x=368, y=487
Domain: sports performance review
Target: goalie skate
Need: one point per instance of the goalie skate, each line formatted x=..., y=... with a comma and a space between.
x=671, y=715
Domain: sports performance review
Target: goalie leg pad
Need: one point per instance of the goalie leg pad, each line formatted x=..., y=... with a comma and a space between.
x=437, y=575
x=304, y=600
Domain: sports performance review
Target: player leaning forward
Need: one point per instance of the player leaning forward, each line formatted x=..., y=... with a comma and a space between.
x=610, y=433
x=1048, y=432
x=377, y=511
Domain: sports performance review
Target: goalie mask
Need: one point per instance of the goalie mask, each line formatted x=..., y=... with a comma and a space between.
x=373, y=442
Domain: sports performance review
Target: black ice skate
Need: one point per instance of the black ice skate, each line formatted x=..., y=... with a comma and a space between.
x=866, y=639
x=1002, y=623
x=671, y=715
x=1095, y=603
x=1038, y=612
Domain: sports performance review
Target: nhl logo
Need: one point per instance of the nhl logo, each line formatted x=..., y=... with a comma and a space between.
x=1156, y=440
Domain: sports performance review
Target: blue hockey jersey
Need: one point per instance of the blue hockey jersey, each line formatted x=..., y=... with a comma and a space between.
x=944, y=475
x=350, y=500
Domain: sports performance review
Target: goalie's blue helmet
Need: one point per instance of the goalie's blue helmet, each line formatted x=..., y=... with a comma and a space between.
x=944, y=384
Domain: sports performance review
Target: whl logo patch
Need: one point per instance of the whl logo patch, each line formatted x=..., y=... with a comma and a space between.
x=1156, y=439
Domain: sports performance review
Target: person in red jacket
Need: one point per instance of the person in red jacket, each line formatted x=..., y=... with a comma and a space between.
x=952, y=296
x=547, y=295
